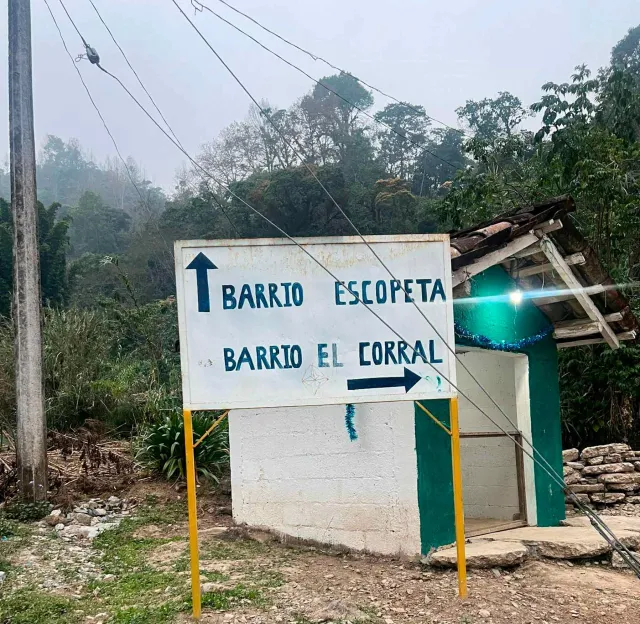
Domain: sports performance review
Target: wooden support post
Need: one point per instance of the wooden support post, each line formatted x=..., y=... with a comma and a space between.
x=458, y=503
x=193, y=514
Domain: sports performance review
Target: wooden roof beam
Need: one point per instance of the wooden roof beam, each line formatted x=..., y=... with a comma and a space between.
x=630, y=335
x=536, y=269
x=499, y=255
x=564, y=271
x=590, y=290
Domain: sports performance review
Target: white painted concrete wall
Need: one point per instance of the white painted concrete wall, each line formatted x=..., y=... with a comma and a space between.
x=495, y=371
x=489, y=464
x=489, y=478
x=296, y=471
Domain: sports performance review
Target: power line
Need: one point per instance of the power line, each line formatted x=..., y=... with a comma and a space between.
x=316, y=57
x=598, y=524
x=84, y=84
x=328, y=88
x=335, y=203
x=135, y=73
x=551, y=471
x=153, y=102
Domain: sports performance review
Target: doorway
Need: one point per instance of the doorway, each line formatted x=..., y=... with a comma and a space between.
x=497, y=477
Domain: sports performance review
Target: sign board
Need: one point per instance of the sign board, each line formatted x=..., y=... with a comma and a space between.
x=264, y=325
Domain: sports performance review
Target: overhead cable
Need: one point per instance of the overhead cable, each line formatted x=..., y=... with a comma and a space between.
x=151, y=99
x=316, y=57
x=322, y=84
x=598, y=524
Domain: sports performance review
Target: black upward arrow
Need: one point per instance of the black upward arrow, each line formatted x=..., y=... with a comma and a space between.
x=201, y=265
x=408, y=380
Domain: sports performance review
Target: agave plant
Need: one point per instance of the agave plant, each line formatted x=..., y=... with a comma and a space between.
x=161, y=447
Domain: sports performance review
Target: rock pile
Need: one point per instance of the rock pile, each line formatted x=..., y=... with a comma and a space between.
x=603, y=475
x=90, y=519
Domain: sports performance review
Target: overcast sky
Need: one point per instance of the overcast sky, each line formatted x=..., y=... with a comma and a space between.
x=437, y=53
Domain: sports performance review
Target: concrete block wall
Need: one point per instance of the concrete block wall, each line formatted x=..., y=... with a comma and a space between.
x=294, y=470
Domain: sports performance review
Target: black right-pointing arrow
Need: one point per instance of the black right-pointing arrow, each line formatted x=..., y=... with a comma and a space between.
x=408, y=380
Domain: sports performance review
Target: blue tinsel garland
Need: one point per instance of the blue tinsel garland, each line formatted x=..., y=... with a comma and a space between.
x=348, y=421
x=485, y=342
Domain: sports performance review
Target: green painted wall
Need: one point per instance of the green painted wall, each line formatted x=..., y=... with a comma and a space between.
x=435, y=484
x=498, y=321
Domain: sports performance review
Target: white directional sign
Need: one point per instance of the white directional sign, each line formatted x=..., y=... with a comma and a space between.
x=264, y=325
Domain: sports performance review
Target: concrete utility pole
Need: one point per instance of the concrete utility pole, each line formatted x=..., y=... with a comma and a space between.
x=31, y=432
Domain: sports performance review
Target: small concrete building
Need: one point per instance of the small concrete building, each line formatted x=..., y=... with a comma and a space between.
x=297, y=472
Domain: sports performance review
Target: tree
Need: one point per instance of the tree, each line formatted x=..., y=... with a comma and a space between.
x=333, y=111
x=493, y=118
x=442, y=157
x=399, y=143
x=97, y=228
x=53, y=242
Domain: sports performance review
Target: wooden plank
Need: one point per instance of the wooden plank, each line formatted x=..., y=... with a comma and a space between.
x=561, y=267
x=573, y=329
x=582, y=327
x=509, y=250
x=591, y=290
x=550, y=226
x=536, y=269
x=493, y=258
x=630, y=335
x=529, y=251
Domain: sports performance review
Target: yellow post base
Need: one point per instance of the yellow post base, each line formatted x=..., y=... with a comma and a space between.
x=193, y=514
x=457, y=498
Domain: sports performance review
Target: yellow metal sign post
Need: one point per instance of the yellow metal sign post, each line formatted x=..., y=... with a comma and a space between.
x=193, y=514
x=190, y=446
x=458, y=505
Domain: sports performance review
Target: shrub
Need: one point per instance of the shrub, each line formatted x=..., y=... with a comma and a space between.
x=115, y=364
x=26, y=512
x=161, y=446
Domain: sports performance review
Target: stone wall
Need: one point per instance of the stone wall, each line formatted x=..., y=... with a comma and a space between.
x=603, y=475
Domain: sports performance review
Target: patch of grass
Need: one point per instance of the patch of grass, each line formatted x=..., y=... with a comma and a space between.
x=225, y=599
x=132, y=586
x=9, y=528
x=120, y=550
x=156, y=512
x=215, y=577
x=148, y=615
x=12, y=536
x=268, y=578
x=182, y=563
x=32, y=607
x=232, y=549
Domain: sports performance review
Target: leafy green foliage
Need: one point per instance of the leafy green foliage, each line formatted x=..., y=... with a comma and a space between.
x=97, y=228
x=161, y=446
x=53, y=242
x=26, y=512
x=33, y=607
x=116, y=364
x=225, y=599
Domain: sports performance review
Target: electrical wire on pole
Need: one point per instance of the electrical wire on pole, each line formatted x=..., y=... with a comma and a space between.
x=151, y=99
x=598, y=524
x=92, y=54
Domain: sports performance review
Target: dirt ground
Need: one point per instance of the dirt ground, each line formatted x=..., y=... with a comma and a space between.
x=139, y=575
